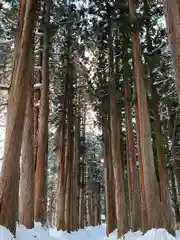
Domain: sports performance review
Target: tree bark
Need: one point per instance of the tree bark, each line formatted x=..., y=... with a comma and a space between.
x=26, y=200
x=76, y=166
x=131, y=158
x=144, y=222
x=9, y=181
x=150, y=180
x=70, y=146
x=81, y=196
x=42, y=151
x=163, y=174
x=61, y=146
x=172, y=14
x=97, y=205
x=109, y=181
x=37, y=97
x=116, y=141
x=174, y=196
x=82, y=182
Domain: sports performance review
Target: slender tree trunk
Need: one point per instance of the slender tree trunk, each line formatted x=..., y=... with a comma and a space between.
x=111, y=177
x=108, y=173
x=133, y=181
x=172, y=14
x=174, y=197
x=150, y=180
x=76, y=167
x=163, y=174
x=42, y=151
x=110, y=200
x=97, y=205
x=144, y=222
x=82, y=199
x=60, y=204
x=37, y=96
x=10, y=175
x=69, y=156
x=81, y=196
x=26, y=200
x=173, y=119
x=116, y=142
x=93, y=209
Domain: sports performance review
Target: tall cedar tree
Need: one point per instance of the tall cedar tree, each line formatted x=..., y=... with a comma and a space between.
x=20, y=82
x=42, y=148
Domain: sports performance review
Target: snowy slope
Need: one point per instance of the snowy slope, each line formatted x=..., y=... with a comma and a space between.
x=94, y=233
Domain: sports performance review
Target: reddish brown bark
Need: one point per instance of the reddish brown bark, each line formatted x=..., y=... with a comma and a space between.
x=172, y=14
x=42, y=151
x=70, y=146
x=60, y=221
x=81, y=197
x=162, y=171
x=37, y=96
x=26, y=200
x=97, y=205
x=76, y=167
x=144, y=225
x=60, y=204
x=131, y=158
x=9, y=181
x=116, y=141
x=109, y=179
x=150, y=180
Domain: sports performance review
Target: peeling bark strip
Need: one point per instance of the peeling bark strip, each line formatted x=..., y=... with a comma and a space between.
x=42, y=151
x=9, y=182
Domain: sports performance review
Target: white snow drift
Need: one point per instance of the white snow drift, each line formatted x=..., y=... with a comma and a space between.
x=95, y=233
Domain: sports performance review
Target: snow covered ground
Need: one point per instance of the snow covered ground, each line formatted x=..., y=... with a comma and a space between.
x=95, y=233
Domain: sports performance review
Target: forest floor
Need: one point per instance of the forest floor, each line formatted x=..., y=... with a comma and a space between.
x=95, y=233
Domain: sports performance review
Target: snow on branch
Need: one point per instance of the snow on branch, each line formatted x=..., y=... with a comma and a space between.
x=3, y=41
x=4, y=87
x=37, y=67
x=37, y=86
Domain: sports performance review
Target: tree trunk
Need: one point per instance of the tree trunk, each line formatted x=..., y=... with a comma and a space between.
x=131, y=158
x=97, y=205
x=172, y=14
x=116, y=142
x=9, y=182
x=26, y=200
x=109, y=181
x=144, y=222
x=76, y=167
x=61, y=146
x=163, y=174
x=37, y=97
x=174, y=196
x=81, y=196
x=150, y=180
x=69, y=156
x=42, y=151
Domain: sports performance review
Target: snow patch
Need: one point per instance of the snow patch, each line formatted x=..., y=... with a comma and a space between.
x=157, y=234
x=95, y=233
